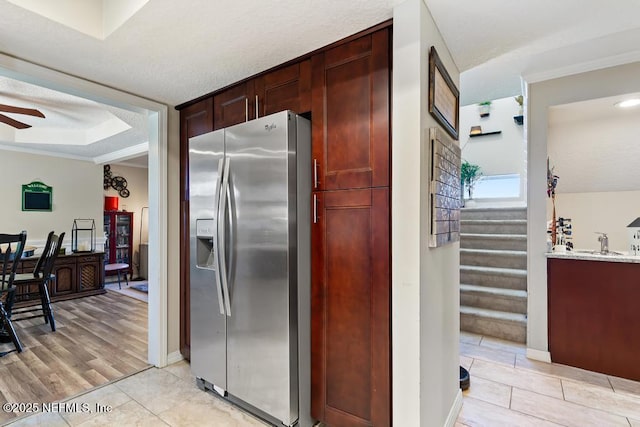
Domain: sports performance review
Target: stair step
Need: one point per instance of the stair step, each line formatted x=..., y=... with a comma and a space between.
x=509, y=278
x=494, y=258
x=494, y=323
x=494, y=213
x=493, y=226
x=510, y=300
x=517, y=242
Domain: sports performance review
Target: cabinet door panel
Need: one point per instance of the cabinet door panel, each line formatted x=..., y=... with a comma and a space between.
x=195, y=120
x=65, y=279
x=234, y=105
x=89, y=275
x=350, y=308
x=350, y=110
x=287, y=88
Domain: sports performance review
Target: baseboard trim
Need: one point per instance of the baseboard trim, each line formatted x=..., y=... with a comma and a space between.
x=174, y=357
x=542, y=356
x=455, y=410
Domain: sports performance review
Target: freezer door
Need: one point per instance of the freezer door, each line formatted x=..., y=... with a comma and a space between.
x=208, y=328
x=262, y=334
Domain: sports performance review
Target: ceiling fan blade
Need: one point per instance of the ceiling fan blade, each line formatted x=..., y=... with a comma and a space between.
x=16, y=124
x=19, y=110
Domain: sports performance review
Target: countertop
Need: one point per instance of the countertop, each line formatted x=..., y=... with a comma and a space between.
x=578, y=255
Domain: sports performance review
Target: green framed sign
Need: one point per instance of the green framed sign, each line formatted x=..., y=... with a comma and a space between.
x=37, y=196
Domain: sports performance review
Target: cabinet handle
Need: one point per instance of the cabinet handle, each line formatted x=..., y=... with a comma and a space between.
x=257, y=115
x=315, y=209
x=315, y=173
x=246, y=109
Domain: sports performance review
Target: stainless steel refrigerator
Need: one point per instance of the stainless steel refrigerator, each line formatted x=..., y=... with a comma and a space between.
x=249, y=190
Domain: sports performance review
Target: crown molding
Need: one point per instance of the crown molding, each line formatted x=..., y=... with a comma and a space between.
x=583, y=67
x=124, y=154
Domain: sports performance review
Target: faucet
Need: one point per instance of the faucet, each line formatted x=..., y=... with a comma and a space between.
x=604, y=242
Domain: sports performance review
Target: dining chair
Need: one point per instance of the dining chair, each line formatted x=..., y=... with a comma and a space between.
x=11, y=247
x=42, y=276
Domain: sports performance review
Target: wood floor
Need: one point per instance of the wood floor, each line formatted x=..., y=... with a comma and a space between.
x=98, y=339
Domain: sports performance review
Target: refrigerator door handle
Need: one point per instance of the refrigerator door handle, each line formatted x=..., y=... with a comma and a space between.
x=231, y=239
x=221, y=237
x=216, y=246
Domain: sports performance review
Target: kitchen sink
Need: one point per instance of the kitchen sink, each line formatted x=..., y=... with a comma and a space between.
x=610, y=253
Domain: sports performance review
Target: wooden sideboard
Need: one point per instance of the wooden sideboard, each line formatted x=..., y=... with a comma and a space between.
x=76, y=275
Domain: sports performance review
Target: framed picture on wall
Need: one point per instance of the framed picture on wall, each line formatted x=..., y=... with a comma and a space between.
x=444, y=97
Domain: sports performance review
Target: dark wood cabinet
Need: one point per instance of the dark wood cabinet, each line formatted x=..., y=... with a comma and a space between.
x=76, y=275
x=350, y=110
x=350, y=308
x=350, y=281
x=287, y=88
x=234, y=105
x=593, y=315
x=196, y=119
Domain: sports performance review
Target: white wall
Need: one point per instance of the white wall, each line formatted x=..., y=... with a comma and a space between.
x=500, y=154
x=77, y=193
x=173, y=232
x=425, y=281
x=595, y=84
x=598, y=188
x=607, y=212
x=138, y=186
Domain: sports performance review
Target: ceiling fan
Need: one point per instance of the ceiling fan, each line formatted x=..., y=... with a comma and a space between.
x=17, y=110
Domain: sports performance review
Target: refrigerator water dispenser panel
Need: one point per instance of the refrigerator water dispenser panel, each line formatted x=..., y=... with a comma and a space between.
x=204, y=245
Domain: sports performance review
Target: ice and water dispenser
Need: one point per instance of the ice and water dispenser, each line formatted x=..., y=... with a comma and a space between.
x=204, y=243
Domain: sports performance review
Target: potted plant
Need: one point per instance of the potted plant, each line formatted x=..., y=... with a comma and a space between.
x=484, y=108
x=520, y=100
x=469, y=175
x=519, y=119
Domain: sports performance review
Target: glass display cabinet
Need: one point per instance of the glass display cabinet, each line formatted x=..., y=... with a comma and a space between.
x=118, y=229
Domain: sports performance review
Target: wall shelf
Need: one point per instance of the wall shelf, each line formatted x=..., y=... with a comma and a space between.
x=485, y=133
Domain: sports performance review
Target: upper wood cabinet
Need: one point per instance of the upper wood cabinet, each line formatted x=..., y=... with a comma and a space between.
x=350, y=114
x=233, y=105
x=195, y=120
x=287, y=88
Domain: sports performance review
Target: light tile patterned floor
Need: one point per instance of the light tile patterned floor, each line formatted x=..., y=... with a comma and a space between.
x=153, y=397
x=507, y=389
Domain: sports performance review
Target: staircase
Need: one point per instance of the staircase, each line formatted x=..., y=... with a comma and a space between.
x=493, y=272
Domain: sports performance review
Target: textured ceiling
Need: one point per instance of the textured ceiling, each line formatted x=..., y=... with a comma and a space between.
x=175, y=51
x=497, y=41
x=172, y=52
